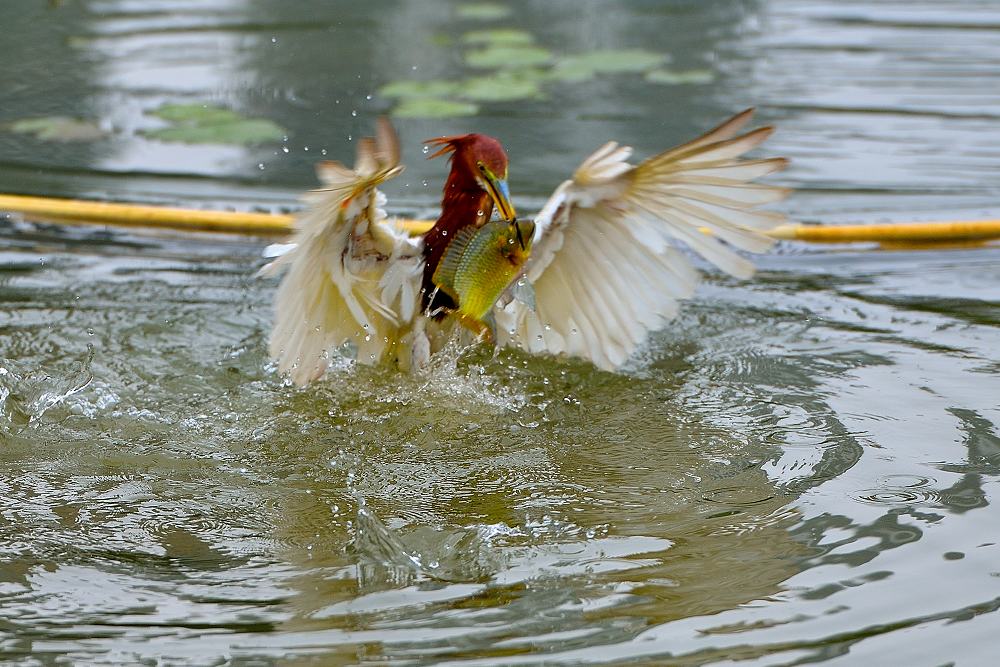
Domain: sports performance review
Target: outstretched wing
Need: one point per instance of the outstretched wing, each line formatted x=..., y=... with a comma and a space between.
x=606, y=268
x=351, y=275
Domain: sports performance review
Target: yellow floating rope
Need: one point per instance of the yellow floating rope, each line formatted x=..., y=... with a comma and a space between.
x=75, y=211
x=902, y=232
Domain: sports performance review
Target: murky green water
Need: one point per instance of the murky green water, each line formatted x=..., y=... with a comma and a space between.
x=801, y=468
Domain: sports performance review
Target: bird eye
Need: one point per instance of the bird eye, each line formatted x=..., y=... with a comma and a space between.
x=482, y=167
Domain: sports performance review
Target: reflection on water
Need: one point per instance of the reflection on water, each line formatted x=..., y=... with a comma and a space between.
x=798, y=469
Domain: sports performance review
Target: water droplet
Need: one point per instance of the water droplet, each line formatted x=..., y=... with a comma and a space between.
x=368, y=97
x=260, y=165
x=548, y=327
x=573, y=331
x=426, y=150
x=414, y=68
x=368, y=338
x=284, y=149
x=354, y=113
x=424, y=182
x=285, y=138
x=274, y=40
x=323, y=152
x=90, y=332
x=305, y=148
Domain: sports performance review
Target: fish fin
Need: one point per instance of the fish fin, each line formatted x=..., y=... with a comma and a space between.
x=484, y=329
x=524, y=292
x=490, y=321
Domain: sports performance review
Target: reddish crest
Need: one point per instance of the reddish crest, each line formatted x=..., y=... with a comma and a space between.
x=469, y=149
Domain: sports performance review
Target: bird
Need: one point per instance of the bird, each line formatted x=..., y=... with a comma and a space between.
x=598, y=269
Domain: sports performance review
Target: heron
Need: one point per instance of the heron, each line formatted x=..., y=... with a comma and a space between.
x=598, y=269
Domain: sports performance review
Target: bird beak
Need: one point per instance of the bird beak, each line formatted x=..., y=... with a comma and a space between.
x=500, y=194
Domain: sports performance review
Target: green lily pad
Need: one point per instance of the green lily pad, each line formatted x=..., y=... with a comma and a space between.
x=196, y=114
x=498, y=37
x=58, y=128
x=501, y=88
x=482, y=11
x=571, y=72
x=414, y=89
x=669, y=77
x=609, y=61
x=241, y=132
x=428, y=107
x=508, y=56
x=209, y=124
x=442, y=39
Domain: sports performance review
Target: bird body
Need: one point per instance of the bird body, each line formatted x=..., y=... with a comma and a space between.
x=598, y=269
x=476, y=181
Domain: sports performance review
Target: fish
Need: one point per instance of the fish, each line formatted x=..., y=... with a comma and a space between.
x=480, y=264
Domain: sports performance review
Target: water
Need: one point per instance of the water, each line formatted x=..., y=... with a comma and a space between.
x=801, y=468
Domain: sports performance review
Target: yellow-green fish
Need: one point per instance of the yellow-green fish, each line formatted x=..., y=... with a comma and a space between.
x=481, y=262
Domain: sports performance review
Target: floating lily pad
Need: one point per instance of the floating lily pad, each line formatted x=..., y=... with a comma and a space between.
x=572, y=71
x=58, y=128
x=414, y=89
x=241, y=132
x=196, y=114
x=208, y=124
x=508, y=56
x=482, y=11
x=442, y=39
x=669, y=77
x=583, y=66
x=502, y=87
x=428, y=107
x=499, y=37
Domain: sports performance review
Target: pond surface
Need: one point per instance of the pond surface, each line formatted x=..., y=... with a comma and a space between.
x=801, y=468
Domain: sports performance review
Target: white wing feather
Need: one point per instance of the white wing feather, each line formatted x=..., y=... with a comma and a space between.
x=605, y=266
x=350, y=276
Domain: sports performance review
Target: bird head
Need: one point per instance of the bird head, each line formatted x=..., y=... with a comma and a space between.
x=478, y=161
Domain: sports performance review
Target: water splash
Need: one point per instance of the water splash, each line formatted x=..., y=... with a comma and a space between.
x=27, y=394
